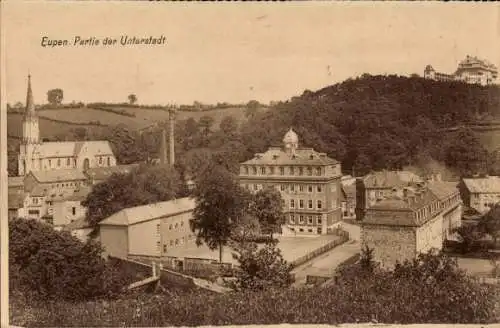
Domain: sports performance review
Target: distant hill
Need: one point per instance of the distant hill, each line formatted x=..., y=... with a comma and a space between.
x=376, y=122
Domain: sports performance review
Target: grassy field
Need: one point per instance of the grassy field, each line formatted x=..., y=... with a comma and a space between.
x=143, y=118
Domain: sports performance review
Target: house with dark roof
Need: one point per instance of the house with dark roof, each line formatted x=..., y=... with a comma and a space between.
x=308, y=180
x=480, y=193
x=411, y=220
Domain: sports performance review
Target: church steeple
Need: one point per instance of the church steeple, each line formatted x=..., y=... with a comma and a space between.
x=31, y=132
x=30, y=106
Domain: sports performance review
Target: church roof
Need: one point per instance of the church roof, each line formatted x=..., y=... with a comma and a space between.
x=30, y=105
x=103, y=173
x=58, y=175
x=138, y=214
x=72, y=148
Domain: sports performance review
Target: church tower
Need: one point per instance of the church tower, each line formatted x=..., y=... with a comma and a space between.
x=31, y=131
x=31, y=135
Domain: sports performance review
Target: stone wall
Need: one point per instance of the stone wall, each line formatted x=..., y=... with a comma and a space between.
x=390, y=244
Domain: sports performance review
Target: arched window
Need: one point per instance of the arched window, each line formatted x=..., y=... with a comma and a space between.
x=86, y=164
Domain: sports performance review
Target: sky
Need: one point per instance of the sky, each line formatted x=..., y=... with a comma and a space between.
x=234, y=52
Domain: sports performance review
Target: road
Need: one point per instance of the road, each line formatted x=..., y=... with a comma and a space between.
x=326, y=264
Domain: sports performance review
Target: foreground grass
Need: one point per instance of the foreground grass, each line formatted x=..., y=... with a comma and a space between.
x=331, y=305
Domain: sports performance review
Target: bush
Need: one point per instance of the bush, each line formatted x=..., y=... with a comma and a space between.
x=48, y=264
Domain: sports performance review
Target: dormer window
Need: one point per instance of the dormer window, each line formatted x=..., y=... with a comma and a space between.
x=282, y=171
x=263, y=170
x=311, y=156
x=309, y=171
x=246, y=170
x=275, y=157
x=254, y=170
x=318, y=171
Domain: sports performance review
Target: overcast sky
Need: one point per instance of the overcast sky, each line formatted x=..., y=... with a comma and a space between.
x=235, y=52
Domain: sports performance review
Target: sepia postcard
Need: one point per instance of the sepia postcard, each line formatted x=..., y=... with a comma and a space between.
x=212, y=164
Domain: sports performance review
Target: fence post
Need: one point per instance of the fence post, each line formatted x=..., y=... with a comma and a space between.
x=154, y=268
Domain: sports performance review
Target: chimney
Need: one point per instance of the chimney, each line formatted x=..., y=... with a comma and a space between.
x=163, y=147
x=171, y=119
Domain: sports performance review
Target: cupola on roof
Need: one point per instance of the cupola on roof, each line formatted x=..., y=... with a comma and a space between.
x=291, y=137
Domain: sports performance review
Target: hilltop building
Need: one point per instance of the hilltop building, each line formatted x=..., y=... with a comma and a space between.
x=308, y=181
x=407, y=220
x=35, y=155
x=480, y=194
x=470, y=70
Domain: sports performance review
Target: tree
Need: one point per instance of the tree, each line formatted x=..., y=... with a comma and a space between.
x=229, y=126
x=267, y=207
x=55, y=96
x=252, y=108
x=261, y=269
x=206, y=122
x=490, y=223
x=469, y=236
x=143, y=185
x=49, y=264
x=132, y=99
x=366, y=260
x=220, y=204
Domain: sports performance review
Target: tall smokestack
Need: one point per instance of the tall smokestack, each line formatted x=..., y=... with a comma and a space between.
x=171, y=119
x=163, y=147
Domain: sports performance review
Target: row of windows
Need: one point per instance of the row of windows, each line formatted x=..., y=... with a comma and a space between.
x=301, y=219
x=288, y=187
x=319, y=230
x=436, y=206
x=310, y=204
x=174, y=242
x=291, y=170
x=170, y=227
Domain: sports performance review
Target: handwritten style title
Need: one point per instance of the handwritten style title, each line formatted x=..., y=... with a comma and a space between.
x=124, y=40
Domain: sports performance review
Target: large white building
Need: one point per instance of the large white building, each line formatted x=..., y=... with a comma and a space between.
x=35, y=155
x=470, y=70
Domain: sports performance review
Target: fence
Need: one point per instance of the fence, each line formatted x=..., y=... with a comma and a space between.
x=301, y=260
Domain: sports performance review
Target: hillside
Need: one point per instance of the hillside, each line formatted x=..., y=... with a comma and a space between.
x=376, y=122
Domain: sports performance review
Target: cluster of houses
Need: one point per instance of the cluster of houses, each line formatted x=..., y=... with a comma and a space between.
x=397, y=213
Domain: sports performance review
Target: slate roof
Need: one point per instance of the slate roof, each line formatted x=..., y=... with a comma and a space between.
x=483, y=185
x=148, y=212
x=72, y=148
x=103, y=173
x=390, y=179
x=300, y=156
x=52, y=176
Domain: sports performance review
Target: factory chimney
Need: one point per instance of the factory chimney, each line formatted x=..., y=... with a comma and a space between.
x=171, y=119
x=163, y=147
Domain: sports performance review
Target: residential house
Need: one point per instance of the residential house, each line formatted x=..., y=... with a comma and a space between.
x=348, y=206
x=309, y=183
x=480, y=194
x=68, y=179
x=152, y=230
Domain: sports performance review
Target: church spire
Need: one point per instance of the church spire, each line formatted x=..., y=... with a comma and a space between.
x=30, y=106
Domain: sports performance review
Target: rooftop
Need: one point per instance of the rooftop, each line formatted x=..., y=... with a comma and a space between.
x=58, y=175
x=148, y=212
x=103, y=173
x=483, y=185
x=72, y=148
x=390, y=179
x=300, y=156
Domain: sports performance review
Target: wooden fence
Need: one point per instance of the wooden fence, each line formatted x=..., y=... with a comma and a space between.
x=344, y=237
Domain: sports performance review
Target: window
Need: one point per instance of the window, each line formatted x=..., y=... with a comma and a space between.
x=301, y=203
x=164, y=248
x=170, y=227
x=158, y=244
x=254, y=170
x=176, y=225
x=58, y=162
x=320, y=220
x=282, y=171
x=182, y=223
x=68, y=162
x=309, y=230
x=245, y=169
x=35, y=200
x=319, y=188
x=292, y=219
x=301, y=171
x=271, y=170
x=263, y=170
x=50, y=162
x=157, y=229
x=301, y=219
x=310, y=204
x=292, y=170
x=309, y=219
x=301, y=230
x=171, y=243
x=310, y=188
x=292, y=203
x=319, y=205
x=176, y=242
x=100, y=160
x=292, y=187
x=109, y=161
x=282, y=187
x=33, y=212
x=309, y=171
x=73, y=210
x=301, y=188
x=255, y=187
x=318, y=171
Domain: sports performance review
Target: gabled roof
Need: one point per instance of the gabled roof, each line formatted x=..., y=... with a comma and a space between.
x=148, y=212
x=103, y=173
x=15, y=181
x=58, y=175
x=391, y=179
x=300, y=156
x=443, y=189
x=72, y=148
x=483, y=185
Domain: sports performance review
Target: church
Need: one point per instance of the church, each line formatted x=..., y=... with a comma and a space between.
x=38, y=156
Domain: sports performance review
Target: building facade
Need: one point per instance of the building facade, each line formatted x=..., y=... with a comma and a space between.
x=348, y=203
x=480, y=194
x=153, y=230
x=35, y=155
x=309, y=183
x=410, y=221
x=470, y=70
